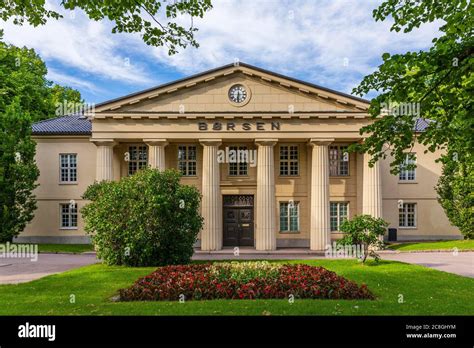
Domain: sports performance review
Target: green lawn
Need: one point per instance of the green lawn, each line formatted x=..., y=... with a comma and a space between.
x=425, y=292
x=65, y=248
x=440, y=245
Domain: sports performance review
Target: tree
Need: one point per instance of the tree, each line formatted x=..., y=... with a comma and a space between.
x=440, y=81
x=147, y=219
x=18, y=171
x=456, y=192
x=366, y=231
x=139, y=16
x=23, y=76
x=438, y=85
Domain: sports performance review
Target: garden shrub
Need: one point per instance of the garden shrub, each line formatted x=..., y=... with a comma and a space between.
x=214, y=281
x=147, y=219
x=366, y=231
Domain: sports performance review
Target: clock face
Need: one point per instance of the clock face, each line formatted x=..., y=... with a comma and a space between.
x=237, y=94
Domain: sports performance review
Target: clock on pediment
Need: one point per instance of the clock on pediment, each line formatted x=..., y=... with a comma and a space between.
x=239, y=94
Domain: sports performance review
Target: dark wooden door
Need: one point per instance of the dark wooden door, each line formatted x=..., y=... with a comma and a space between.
x=238, y=226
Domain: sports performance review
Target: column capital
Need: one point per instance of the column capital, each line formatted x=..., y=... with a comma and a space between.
x=320, y=141
x=104, y=142
x=266, y=142
x=156, y=142
x=210, y=142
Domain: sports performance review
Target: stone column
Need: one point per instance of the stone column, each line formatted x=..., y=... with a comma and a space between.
x=211, y=235
x=105, y=157
x=265, y=234
x=320, y=232
x=156, y=153
x=372, y=189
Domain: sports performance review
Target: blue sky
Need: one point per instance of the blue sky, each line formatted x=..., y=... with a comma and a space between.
x=330, y=43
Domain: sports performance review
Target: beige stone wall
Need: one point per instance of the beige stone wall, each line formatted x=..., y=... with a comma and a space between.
x=51, y=193
x=432, y=222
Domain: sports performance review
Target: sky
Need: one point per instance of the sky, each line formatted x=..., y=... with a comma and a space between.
x=332, y=43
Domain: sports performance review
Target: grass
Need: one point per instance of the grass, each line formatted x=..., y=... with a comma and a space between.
x=425, y=292
x=439, y=245
x=64, y=248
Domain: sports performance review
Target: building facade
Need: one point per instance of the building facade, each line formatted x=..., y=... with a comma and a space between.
x=267, y=152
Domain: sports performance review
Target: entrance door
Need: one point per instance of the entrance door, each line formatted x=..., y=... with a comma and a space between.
x=238, y=221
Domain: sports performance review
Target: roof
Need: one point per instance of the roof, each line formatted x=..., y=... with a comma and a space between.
x=421, y=124
x=74, y=124
x=236, y=66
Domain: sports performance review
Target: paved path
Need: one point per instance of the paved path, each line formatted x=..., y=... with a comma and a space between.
x=13, y=270
x=461, y=263
x=20, y=270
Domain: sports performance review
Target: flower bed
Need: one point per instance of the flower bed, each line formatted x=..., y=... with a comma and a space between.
x=242, y=280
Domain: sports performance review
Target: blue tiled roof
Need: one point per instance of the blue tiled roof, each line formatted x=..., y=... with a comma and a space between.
x=421, y=124
x=74, y=124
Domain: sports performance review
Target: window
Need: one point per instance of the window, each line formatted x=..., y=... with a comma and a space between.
x=239, y=167
x=69, y=216
x=338, y=161
x=407, y=174
x=137, y=159
x=289, y=160
x=289, y=217
x=187, y=160
x=407, y=215
x=338, y=212
x=68, y=167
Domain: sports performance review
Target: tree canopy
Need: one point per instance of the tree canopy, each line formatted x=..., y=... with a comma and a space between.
x=438, y=81
x=23, y=76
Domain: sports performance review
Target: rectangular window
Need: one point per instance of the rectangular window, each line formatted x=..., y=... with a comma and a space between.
x=406, y=173
x=338, y=213
x=407, y=215
x=69, y=215
x=289, y=160
x=240, y=167
x=187, y=160
x=138, y=158
x=68, y=167
x=289, y=217
x=338, y=161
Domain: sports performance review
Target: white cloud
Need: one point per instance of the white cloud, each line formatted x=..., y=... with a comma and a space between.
x=72, y=81
x=305, y=38
x=80, y=43
x=309, y=38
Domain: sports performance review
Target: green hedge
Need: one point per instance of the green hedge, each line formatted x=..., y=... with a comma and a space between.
x=147, y=219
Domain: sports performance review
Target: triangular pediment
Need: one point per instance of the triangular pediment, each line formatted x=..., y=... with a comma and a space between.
x=208, y=92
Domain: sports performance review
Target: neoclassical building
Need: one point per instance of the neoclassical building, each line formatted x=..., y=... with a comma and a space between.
x=268, y=153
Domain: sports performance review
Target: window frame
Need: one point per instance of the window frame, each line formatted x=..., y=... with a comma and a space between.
x=407, y=171
x=239, y=147
x=405, y=216
x=288, y=217
x=187, y=161
x=338, y=215
x=288, y=161
x=69, y=216
x=137, y=161
x=68, y=168
x=339, y=160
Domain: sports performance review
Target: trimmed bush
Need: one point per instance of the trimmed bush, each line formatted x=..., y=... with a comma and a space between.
x=147, y=219
x=234, y=281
